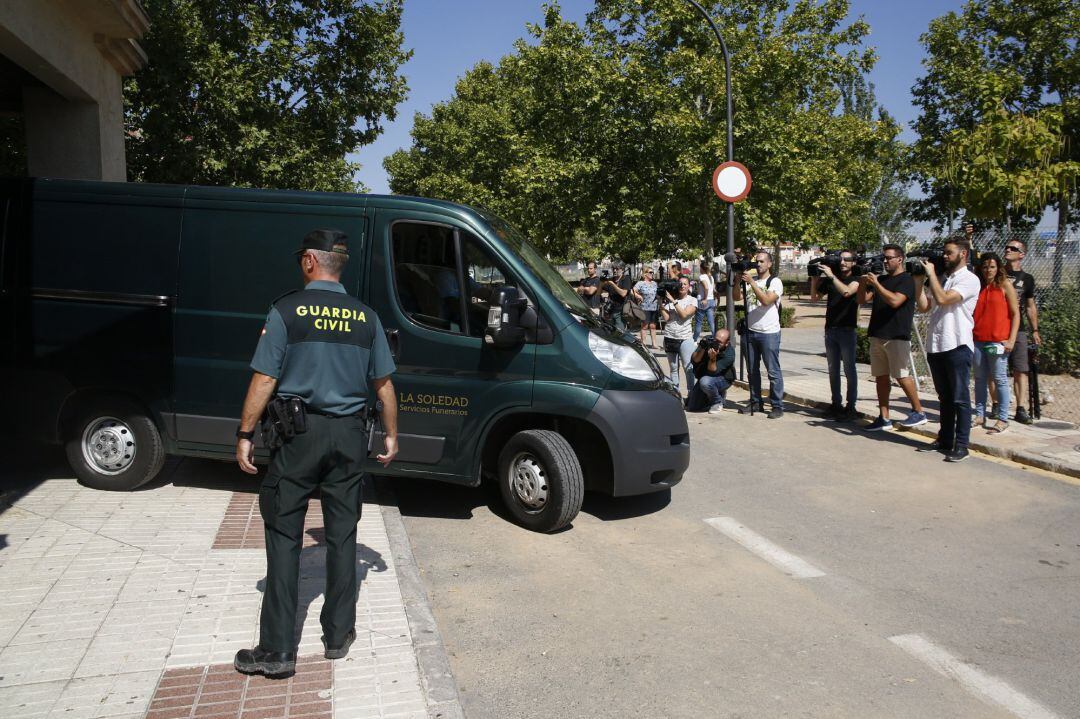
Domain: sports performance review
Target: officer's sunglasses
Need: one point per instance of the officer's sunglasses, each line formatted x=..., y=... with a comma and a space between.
x=300, y=258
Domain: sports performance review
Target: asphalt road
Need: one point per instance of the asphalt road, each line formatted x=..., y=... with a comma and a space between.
x=926, y=589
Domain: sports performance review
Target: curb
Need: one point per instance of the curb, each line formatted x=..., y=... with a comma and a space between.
x=1013, y=455
x=435, y=675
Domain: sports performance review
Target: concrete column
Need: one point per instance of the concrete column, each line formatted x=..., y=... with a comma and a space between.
x=69, y=139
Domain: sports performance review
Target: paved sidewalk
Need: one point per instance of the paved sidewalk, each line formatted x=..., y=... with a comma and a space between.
x=1048, y=444
x=132, y=605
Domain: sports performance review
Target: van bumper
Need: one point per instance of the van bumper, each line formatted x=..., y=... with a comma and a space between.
x=649, y=439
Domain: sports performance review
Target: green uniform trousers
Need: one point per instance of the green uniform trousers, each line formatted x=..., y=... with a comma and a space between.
x=327, y=457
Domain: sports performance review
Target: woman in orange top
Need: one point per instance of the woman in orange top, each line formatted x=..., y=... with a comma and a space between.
x=997, y=319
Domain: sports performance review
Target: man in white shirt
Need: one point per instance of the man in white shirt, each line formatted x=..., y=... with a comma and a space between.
x=763, y=336
x=950, y=346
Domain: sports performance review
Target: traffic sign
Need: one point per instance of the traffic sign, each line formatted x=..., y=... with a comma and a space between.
x=731, y=181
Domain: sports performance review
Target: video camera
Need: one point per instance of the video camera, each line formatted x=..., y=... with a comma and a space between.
x=869, y=265
x=742, y=265
x=936, y=257
x=671, y=286
x=830, y=259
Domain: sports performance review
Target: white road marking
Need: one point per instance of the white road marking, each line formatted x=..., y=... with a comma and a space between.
x=987, y=688
x=765, y=549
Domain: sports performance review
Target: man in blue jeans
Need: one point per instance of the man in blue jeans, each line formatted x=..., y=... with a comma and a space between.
x=763, y=333
x=950, y=345
x=841, y=318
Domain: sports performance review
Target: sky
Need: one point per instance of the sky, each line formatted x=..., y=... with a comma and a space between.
x=448, y=37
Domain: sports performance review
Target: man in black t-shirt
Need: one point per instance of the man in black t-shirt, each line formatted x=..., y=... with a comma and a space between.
x=841, y=317
x=618, y=289
x=589, y=289
x=1029, y=324
x=895, y=295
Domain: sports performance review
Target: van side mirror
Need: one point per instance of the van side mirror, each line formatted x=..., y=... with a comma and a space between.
x=504, y=329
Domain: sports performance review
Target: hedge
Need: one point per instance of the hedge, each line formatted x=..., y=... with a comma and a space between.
x=787, y=316
x=1059, y=328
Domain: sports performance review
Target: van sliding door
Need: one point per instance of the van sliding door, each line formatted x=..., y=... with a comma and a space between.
x=236, y=258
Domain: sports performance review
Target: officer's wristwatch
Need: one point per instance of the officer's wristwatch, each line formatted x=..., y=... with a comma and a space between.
x=241, y=434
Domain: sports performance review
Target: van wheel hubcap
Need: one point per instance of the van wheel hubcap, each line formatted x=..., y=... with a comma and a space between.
x=108, y=445
x=529, y=482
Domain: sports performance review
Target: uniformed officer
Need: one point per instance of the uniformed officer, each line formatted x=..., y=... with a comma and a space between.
x=324, y=347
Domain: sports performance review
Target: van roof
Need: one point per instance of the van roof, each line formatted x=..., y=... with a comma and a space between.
x=47, y=188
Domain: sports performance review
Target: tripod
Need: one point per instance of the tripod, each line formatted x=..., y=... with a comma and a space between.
x=743, y=328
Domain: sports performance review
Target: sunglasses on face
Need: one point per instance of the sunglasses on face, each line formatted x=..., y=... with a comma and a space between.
x=1012, y=248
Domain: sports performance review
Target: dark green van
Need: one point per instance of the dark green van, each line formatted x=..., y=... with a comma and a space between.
x=130, y=313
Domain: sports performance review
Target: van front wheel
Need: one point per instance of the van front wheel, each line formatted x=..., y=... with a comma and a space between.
x=113, y=445
x=540, y=480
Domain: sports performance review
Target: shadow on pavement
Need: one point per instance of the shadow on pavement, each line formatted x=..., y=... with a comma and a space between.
x=26, y=465
x=609, y=509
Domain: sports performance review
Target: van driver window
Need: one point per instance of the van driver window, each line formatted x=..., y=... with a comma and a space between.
x=426, y=276
x=483, y=277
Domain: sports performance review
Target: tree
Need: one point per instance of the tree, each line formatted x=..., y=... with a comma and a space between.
x=606, y=136
x=998, y=103
x=264, y=94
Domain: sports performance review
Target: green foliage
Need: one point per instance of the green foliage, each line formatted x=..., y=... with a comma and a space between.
x=787, y=316
x=998, y=103
x=12, y=146
x=604, y=137
x=1059, y=327
x=862, y=345
x=264, y=94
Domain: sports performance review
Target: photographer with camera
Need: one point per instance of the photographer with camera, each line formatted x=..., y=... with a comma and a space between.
x=714, y=369
x=841, y=288
x=678, y=313
x=618, y=289
x=951, y=345
x=895, y=296
x=763, y=332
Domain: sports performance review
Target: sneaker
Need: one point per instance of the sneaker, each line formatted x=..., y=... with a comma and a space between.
x=879, y=424
x=850, y=415
x=760, y=409
x=259, y=661
x=339, y=652
x=1022, y=416
x=716, y=408
x=776, y=413
x=934, y=446
x=914, y=420
x=833, y=412
x=957, y=455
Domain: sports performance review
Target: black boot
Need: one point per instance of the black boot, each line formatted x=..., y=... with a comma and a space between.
x=259, y=661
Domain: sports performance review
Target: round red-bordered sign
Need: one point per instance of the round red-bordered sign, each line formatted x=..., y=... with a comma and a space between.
x=731, y=181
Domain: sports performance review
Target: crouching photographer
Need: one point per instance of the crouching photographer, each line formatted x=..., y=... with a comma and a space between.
x=714, y=368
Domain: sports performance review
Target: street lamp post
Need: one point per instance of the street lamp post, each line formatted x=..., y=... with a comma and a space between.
x=730, y=316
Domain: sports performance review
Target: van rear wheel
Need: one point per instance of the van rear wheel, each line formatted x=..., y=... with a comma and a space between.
x=540, y=480
x=113, y=445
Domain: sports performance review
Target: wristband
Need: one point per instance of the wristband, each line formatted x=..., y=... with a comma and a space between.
x=241, y=434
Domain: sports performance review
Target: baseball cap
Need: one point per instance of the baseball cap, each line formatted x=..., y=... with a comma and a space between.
x=325, y=240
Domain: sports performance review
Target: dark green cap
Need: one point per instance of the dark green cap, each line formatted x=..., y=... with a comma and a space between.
x=325, y=240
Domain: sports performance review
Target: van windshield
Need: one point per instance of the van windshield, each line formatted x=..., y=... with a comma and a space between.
x=540, y=266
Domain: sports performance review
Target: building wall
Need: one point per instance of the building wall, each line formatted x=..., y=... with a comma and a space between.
x=77, y=51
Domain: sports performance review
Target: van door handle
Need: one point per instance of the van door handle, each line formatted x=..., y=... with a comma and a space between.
x=393, y=340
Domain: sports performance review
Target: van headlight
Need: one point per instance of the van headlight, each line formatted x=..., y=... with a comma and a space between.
x=621, y=359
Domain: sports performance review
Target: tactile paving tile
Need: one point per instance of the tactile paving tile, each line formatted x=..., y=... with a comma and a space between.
x=242, y=527
x=220, y=692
